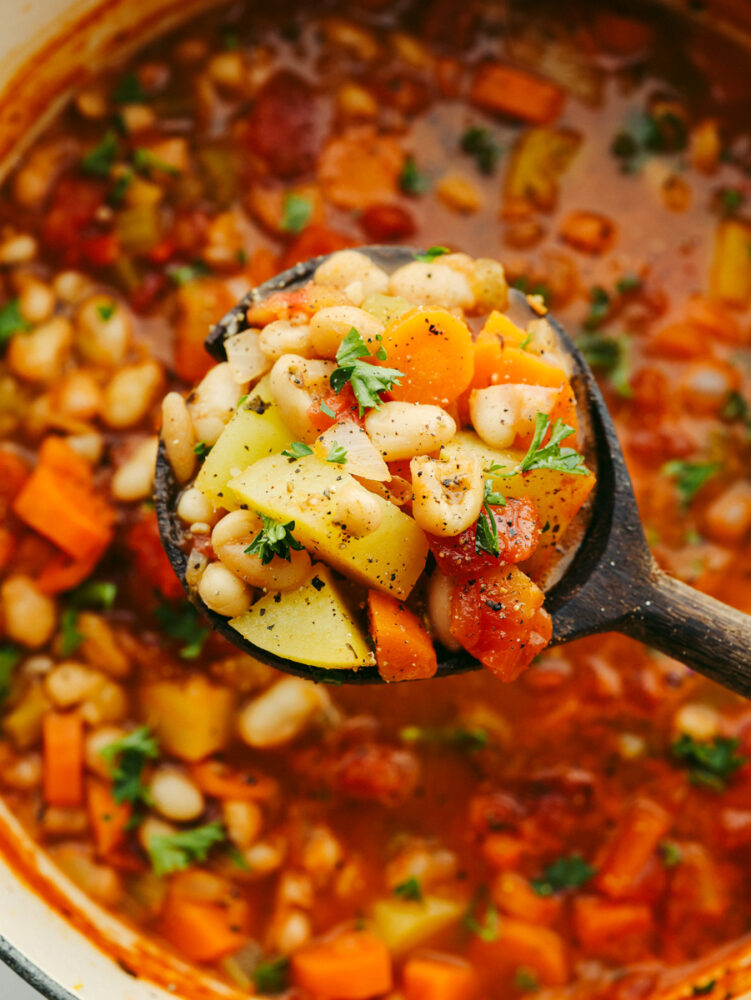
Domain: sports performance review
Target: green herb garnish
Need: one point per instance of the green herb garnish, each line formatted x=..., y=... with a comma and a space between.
x=296, y=213
x=11, y=321
x=367, y=380
x=201, y=449
x=564, y=873
x=457, y=737
x=486, y=534
x=297, y=450
x=337, y=454
x=183, y=624
x=689, y=477
x=526, y=980
x=610, y=355
x=326, y=409
x=129, y=90
x=409, y=889
x=671, y=854
x=550, y=455
x=183, y=274
x=411, y=180
x=127, y=759
x=431, y=254
x=599, y=308
x=100, y=160
x=730, y=200
x=178, y=851
x=486, y=929
x=106, y=310
x=479, y=143
x=271, y=975
x=147, y=162
x=10, y=657
x=712, y=762
x=274, y=539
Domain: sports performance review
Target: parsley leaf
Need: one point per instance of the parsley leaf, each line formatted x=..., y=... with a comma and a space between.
x=458, y=737
x=563, y=873
x=730, y=200
x=94, y=594
x=551, y=455
x=671, y=854
x=100, y=160
x=129, y=90
x=183, y=624
x=479, y=143
x=736, y=407
x=183, y=274
x=367, y=380
x=689, y=477
x=628, y=283
x=526, y=980
x=70, y=637
x=431, y=253
x=297, y=450
x=296, y=213
x=127, y=758
x=599, y=307
x=10, y=657
x=325, y=408
x=177, y=851
x=146, y=162
x=201, y=449
x=486, y=535
x=274, y=539
x=523, y=284
x=106, y=310
x=271, y=975
x=710, y=763
x=486, y=929
x=412, y=180
x=409, y=889
x=610, y=355
x=337, y=454
x=11, y=321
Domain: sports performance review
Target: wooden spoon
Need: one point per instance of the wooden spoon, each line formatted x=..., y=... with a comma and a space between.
x=609, y=581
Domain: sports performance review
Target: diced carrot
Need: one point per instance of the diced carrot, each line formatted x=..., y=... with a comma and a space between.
x=63, y=573
x=589, y=232
x=200, y=304
x=563, y=408
x=359, y=168
x=599, y=922
x=13, y=474
x=57, y=454
x=503, y=851
x=499, y=327
x=513, y=92
x=678, y=340
x=514, y=895
x=636, y=838
x=150, y=560
x=66, y=512
x=439, y=977
x=521, y=944
x=434, y=350
x=352, y=965
x=305, y=301
x=404, y=650
x=109, y=819
x=698, y=885
x=63, y=759
x=264, y=264
x=7, y=547
x=204, y=916
x=717, y=320
x=216, y=778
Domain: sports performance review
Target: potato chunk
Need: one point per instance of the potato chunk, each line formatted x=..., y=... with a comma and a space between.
x=190, y=717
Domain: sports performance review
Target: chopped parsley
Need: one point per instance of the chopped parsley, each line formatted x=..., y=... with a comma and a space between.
x=146, y=162
x=230, y=39
x=611, y=356
x=93, y=594
x=70, y=637
x=337, y=454
x=599, y=308
x=431, y=254
x=201, y=449
x=564, y=873
x=459, y=737
x=297, y=450
x=271, y=975
x=119, y=188
x=11, y=321
x=628, y=283
x=129, y=90
x=326, y=409
x=550, y=455
x=486, y=536
x=274, y=539
x=106, y=310
x=736, y=407
x=671, y=854
x=177, y=851
x=526, y=980
x=487, y=928
x=296, y=213
x=100, y=160
x=702, y=989
x=523, y=284
x=712, y=762
x=183, y=624
x=367, y=380
x=183, y=274
x=412, y=180
x=479, y=143
x=729, y=201
x=127, y=757
x=658, y=131
x=409, y=889
x=689, y=477
x=10, y=657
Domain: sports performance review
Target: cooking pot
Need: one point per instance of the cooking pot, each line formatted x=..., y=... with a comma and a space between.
x=54, y=936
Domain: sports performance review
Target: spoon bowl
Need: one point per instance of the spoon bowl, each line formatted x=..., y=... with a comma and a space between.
x=605, y=578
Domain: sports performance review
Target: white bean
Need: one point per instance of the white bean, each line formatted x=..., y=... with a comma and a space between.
x=89, y=446
x=213, y=402
x=282, y=712
x=78, y=395
x=30, y=616
x=224, y=592
x=70, y=286
x=354, y=273
x=232, y=536
x=194, y=505
x=130, y=393
x=134, y=479
x=357, y=510
x=104, y=330
x=284, y=337
x=97, y=741
x=39, y=356
x=18, y=249
x=500, y=412
x=489, y=285
x=294, y=382
x=440, y=590
x=175, y=796
x=447, y=495
x=243, y=820
x=432, y=284
x=71, y=683
x=329, y=327
x=36, y=300
x=699, y=721
x=402, y=430
x=178, y=436
x=245, y=357
x=151, y=828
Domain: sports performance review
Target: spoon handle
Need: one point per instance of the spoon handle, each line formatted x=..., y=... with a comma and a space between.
x=703, y=633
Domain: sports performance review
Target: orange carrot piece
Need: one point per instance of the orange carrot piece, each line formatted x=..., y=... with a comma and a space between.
x=200, y=304
x=599, y=922
x=13, y=474
x=636, y=838
x=439, y=977
x=63, y=573
x=563, y=408
x=513, y=92
x=7, y=547
x=353, y=965
x=360, y=168
x=503, y=851
x=434, y=350
x=264, y=264
x=717, y=320
x=518, y=366
x=404, y=650
x=65, y=512
x=681, y=341
x=522, y=944
x=589, y=232
x=205, y=917
x=63, y=759
x=314, y=241
x=500, y=328
x=56, y=454
x=109, y=819
x=514, y=896
x=215, y=778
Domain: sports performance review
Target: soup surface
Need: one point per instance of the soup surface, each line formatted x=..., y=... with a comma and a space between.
x=575, y=832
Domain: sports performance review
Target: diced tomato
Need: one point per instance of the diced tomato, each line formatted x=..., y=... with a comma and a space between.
x=144, y=295
x=151, y=560
x=282, y=127
x=376, y=771
x=383, y=223
x=518, y=529
x=70, y=230
x=339, y=403
x=100, y=250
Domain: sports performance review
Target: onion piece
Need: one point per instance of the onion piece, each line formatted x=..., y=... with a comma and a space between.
x=362, y=459
x=245, y=357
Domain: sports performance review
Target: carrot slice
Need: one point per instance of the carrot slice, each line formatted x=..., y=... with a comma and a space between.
x=636, y=838
x=215, y=778
x=63, y=759
x=353, y=965
x=404, y=650
x=13, y=474
x=205, y=917
x=511, y=91
x=56, y=454
x=434, y=350
x=63, y=573
x=598, y=922
x=199, y=305
x=109, y=819
x=438, y=977
x=522, y=944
